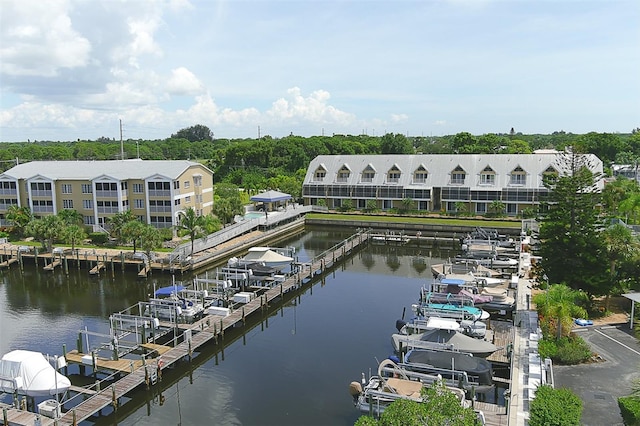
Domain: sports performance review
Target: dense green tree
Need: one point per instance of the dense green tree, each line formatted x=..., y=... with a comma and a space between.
x=189, y=223
x=616, y=192
x=620, y=246
x=571, y=248
x=517, y=146
x=195, y=133
x=395, y=144
x=604, y=145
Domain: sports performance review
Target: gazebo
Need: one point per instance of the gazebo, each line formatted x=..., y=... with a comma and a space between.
x=271, y=197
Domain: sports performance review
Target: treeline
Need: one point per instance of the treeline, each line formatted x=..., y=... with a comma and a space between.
x=251, y=163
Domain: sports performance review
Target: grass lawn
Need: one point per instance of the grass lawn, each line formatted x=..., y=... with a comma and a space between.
x=485, y=223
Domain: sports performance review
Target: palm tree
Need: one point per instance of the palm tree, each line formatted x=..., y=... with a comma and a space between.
x=117, y=222
x=497, y=207
x=191, y=224
x=71, y=217
x=133, y=231
x=46, y=230
x=19, y=217
x=74, y=234
x=560, y=302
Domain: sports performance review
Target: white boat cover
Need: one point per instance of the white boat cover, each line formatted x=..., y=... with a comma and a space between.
x=29, y=373
x=266, y=256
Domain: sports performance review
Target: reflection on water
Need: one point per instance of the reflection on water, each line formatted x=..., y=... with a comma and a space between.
x=290, y=366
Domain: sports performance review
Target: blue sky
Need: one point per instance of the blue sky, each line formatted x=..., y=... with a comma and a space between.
x=73, y=69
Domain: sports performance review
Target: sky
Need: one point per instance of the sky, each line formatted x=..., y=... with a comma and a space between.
x=144, y=69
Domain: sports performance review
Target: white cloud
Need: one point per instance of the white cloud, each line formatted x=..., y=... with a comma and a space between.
x=38, y=39
x=184, y=82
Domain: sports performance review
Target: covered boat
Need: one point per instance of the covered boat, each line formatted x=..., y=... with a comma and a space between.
x=262, y=255
x=29, y=373
x=443, y=339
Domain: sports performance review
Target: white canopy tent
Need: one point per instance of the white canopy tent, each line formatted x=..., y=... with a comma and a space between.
x=634, y=297
x=29, y=373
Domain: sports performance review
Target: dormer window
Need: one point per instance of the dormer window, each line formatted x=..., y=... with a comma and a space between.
x=518, y=177
x=458, y=175
x=343, y=174
x=550, y=174
x=367, y=175
x=488, y=176
x=320, y=174
x=393, y=175
x=420, y=175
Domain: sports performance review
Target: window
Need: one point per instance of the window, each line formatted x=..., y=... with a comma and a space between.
x=393, y=176
x=176, y=202
x=125, y=204
x=387, y=204
x=138, y=188
x=481, y=208
x=420, y=175
x=87, y=204
x=199, y=198
x=67, y=204
x=161, y=186
x=488, y=176
x=187, y=184
x=343, y=174
x=187, y=199
x=124, y=185
x=368, y=174
x=89, y=220
x=518, y=176
x=512, y=209
x=319, y=175
x=66, y=188
x=176, y=185
x=458, y=175
x=139, y=204
x=106, y=186
x=140, y=218
x=87, y=188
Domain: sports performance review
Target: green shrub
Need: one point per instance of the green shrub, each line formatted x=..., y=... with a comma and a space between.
x=555, y=407
x=99, y=238
x=573, y=350
x=630, y=410
x=547, y=348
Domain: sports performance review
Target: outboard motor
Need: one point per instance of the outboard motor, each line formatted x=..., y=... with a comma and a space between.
x=400, y=324
x=355, y=389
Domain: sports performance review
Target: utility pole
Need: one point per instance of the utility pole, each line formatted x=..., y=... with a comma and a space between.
x=121, y=143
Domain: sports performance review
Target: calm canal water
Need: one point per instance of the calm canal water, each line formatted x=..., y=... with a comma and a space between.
x=292, y=367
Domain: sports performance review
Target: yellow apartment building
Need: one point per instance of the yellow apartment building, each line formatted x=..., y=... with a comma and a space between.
x=155, y=191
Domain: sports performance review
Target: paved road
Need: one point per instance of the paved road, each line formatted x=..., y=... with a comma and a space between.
x=600, y=384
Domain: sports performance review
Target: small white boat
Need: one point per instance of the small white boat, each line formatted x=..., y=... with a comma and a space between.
x=262, y=255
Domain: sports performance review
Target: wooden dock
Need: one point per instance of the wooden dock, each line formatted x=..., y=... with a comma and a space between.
x=96, y=269
x=144, y=272
x=53, y=265
x=209, y=328
x=8, y=262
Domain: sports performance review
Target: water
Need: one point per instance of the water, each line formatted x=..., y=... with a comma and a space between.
x=292, y=367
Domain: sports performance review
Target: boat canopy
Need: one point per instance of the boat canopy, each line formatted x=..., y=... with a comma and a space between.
x=453, y=281
x=29, y=373
x=169, y=290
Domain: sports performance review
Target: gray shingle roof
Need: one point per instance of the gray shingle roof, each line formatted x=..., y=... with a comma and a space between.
x=88, y=170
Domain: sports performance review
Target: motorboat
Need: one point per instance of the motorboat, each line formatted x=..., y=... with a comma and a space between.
x=374, y=395
x=262, y=255
x=501, y=262
x=443, y=336
x=29, y=373
x=417, y=325
x=456, y=368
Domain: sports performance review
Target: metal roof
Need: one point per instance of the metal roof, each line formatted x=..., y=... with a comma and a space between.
x=88, y=170
x=439, y=168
